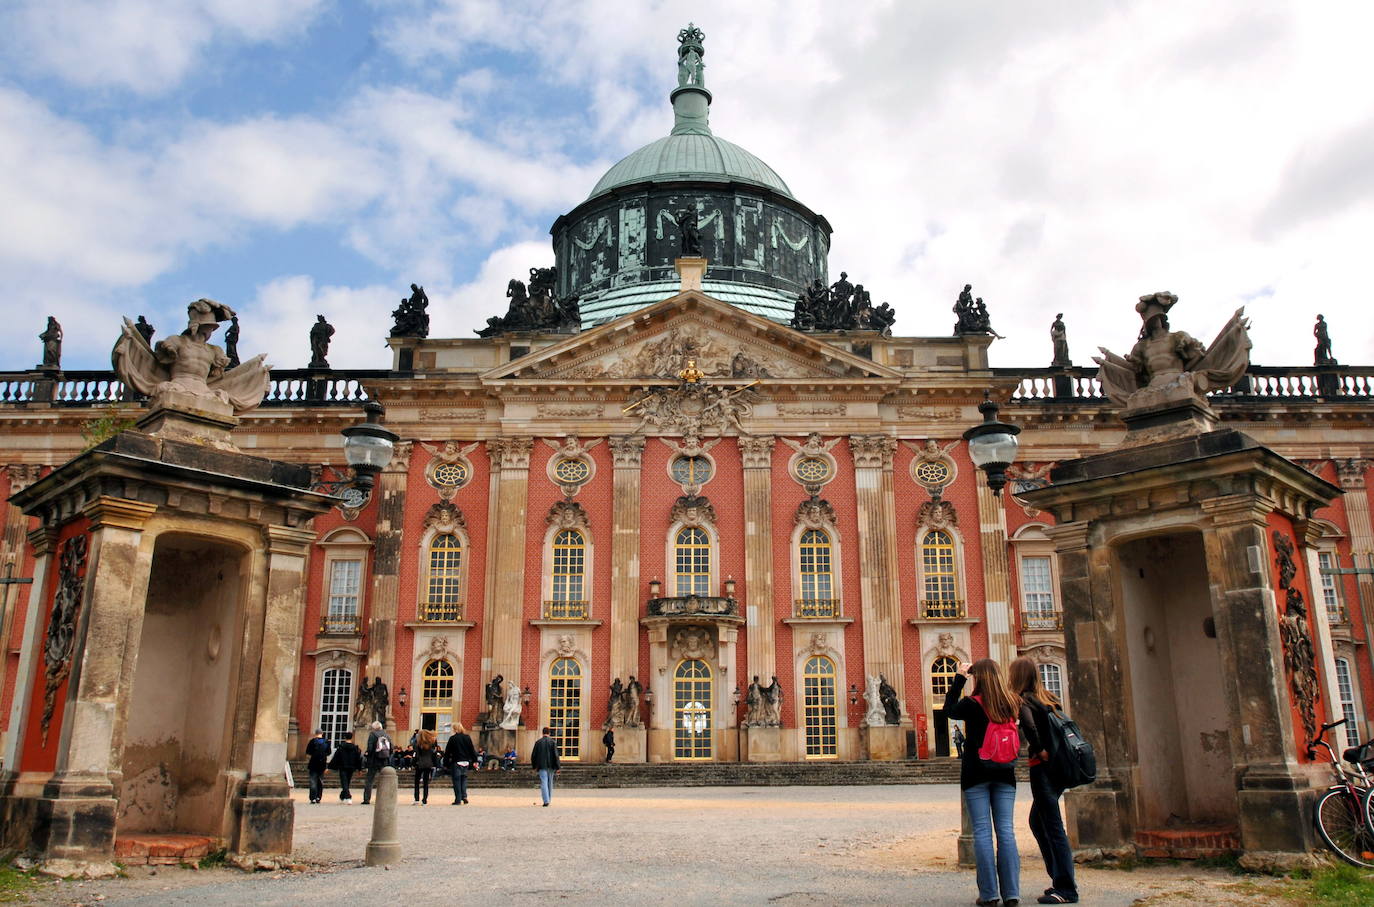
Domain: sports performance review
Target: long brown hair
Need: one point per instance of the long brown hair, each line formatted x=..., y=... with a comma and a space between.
x=1025, y=679
x=998, y=700
x=425, y=739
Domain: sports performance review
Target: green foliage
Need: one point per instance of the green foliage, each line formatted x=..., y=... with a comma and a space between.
x=105, y=427
x=1342, y=885
x=213, y=859
x=16, y=887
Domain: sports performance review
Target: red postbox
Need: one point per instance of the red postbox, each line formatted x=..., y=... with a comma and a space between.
x=922, y=743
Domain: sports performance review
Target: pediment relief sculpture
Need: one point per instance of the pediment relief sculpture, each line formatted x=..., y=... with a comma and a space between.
x=667, y=355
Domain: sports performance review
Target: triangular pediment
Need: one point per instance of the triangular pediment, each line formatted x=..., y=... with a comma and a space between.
x=654, y=344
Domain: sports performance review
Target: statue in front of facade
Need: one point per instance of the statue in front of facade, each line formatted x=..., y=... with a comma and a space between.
x=189, y=366
x=634, y=691
x=874, y=714
x=52, y=344
x=411, y=317
x=1059, y=336
x=510, y=709
x=1169, y=366
x=381, y=700
x=772, y=703
x=892, y=710
x=362, y=709
x=320, y=333
x=615, y=705
x=753, y=705
x=494, y=700
x=1321, y=356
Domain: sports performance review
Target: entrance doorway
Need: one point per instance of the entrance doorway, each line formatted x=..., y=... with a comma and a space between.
x=818, y=708
x=176, y=741
x=1180, y=719
x=692, y=697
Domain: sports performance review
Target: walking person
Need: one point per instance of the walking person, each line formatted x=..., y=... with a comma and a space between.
x=317, y=751
x=608, y=740
x=426, y=754
x=987, y=776
x=377, y=756
x=1046, y=822
x=347, y=760
x=460, y=755
x=544, y=760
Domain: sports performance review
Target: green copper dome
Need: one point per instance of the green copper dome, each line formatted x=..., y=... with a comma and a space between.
x=691, y=157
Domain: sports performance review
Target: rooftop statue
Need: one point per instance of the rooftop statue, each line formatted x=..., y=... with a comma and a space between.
x=52, y=344
x=411, y=317
x=144, y=328
x=320, y=333
x=189, y=366
x=231, y=342
x=1321, y=356
x=1059, y=336
x=972, y=315
x=690, y=51
x=1169, y=366
x=536, y=308
x=844, y=306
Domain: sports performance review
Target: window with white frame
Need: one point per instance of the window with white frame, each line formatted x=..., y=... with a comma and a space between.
x=1037, y=593
x=1331, y=587
x=1052, y=679
x=345, y=582
x=336, y=691
x=1345, y=689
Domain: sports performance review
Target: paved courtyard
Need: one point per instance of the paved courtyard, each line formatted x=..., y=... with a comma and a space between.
x=788, y=845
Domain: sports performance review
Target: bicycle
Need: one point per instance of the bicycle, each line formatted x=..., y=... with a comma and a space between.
x=1340, y=813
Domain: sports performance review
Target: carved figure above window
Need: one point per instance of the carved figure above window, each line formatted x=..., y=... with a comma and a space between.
x=445, y=516
x=693, y=510
x=815, y=513
x=567, y=514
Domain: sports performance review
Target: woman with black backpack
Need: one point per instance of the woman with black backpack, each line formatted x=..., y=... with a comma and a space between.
x=987, y=776
x=1046, y=823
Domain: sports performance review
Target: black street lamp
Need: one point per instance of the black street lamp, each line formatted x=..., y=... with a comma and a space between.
x=368, y=447
x=992, y=444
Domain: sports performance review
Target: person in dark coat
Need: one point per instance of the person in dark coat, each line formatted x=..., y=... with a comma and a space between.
x=377, y=756
x=544, y=760
x=347, y=760
x=317, y=751
x=608, y=741
x=1046, y=823
x=424, y=759
x=460, y=755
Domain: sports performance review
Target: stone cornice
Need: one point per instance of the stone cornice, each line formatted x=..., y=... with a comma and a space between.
x=120, y=513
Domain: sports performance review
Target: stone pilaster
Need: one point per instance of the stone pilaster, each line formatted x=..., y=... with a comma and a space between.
x=757, y=453
x=877, y=515
x=1351, y=477
x=627, y=452
x=41, y=543
x=14, y=528
x=505, y=612
x=384, y=607
x=992, y=539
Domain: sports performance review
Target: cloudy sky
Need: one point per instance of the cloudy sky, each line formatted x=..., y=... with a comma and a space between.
x=295, y=157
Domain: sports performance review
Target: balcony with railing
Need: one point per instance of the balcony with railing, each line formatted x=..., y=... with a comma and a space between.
x=817, y=608
x=440, y=612
x=566, y=610
x=341, y=625
x=1042, y=620
x=1336, y=615
x=1260, y=383
x=943, y=609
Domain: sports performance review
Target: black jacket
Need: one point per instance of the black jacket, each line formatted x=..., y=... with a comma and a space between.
x=378, y=760
x=318, y=752
x=460, y=749
x=544, y=755
x=347, y=757
x=975, y=720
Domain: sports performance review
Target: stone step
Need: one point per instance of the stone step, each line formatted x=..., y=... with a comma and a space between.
x=715, y=774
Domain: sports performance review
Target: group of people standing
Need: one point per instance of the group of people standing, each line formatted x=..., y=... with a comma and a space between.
x=988, y=778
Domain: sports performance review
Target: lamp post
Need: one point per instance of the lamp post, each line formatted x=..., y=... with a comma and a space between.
x=992, y=444
x=368, y=447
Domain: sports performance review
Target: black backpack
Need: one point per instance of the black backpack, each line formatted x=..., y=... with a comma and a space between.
x=1072, y=760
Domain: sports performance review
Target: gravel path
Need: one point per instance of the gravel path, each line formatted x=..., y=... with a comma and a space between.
x=791, y=845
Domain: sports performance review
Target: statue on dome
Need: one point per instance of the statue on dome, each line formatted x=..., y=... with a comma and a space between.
x=189, y=366
x=690, y=231
x=690, y=68
x=411, y=318
x=1165, y=366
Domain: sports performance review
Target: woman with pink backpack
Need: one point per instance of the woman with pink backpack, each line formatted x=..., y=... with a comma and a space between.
x=991, y=715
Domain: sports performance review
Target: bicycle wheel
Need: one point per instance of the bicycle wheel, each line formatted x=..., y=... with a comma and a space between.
x=1340, y=820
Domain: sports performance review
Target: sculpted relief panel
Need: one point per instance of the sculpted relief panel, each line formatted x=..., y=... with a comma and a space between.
x=667, y=355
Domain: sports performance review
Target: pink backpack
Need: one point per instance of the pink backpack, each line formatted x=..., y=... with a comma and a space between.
x=1001, y=743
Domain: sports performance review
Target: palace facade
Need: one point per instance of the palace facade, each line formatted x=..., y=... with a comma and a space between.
x=686, y=457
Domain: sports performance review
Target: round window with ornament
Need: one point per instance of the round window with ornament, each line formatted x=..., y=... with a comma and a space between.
x=933, y=474
x=813, y=470
x=572, y=471
x=449, y=475
x=691, y=470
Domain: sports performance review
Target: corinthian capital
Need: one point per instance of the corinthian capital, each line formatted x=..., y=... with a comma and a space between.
x=757, y=451
x=872, y=451
x=514, y=452
x=1351, y=472
x=627, y=450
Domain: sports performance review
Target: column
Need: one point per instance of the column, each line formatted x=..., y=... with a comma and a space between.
x=757, y=453
x=495, y=446
x=505, y=612
x=12, y=596
x=383, y=609
x=877, y=515
x=992, y=538
x=1351, y=475
x=627, y=452
x=41, y=542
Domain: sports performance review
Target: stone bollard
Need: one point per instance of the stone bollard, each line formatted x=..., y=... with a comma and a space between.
x=384, y=848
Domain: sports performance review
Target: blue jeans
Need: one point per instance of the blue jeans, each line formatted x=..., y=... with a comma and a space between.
x=460, y=784
x=990, y=806
x=546, y=784
x=1048, y=827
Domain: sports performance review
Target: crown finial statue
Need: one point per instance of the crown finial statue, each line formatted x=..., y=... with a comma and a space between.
x=690, y=68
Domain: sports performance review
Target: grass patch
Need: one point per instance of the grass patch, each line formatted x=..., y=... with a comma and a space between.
x=15, y=885
x=214, y=859
x=1345, y=886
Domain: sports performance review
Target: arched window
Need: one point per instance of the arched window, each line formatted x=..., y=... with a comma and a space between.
x=565, y=706
x=693, y=562
x=942, y=671
x=443, y=596
x=939, y=594
x=436, y=694
x=568, y=592
x=1052, y=679
x=818, y=708
x=336, y=693
x=692, y=683
x=1331, y=587
x=816, y=571
x=1345, y=689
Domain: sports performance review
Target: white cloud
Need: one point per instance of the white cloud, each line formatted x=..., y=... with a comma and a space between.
x=146, y=46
